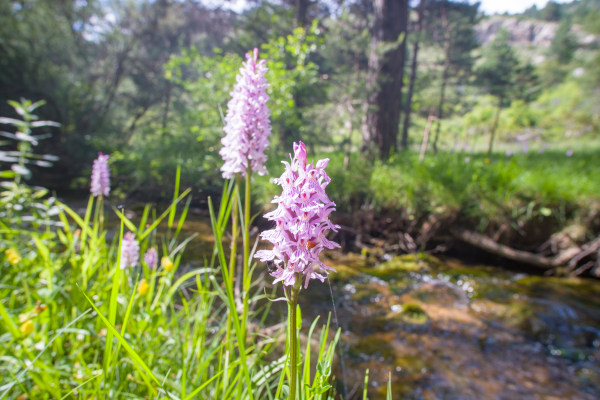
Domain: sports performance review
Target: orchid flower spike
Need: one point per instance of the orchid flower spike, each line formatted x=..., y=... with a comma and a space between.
x=302, y=221
x=247, y=125
x=100, y=184
x=130, y=251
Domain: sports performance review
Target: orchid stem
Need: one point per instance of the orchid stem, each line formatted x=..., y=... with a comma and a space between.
x=233, y=254
x=293, y=343
x=246, y=279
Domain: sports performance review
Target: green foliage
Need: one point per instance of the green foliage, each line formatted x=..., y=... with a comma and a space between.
x=99, y=66
x=564, y=43
x=20, y=204
x=206, y=81
x=193, y=136
x=566, y=110
x=293, y=80
x=23, y=157
x=337, y=116
x=587, y=13
x=519, y=117
x=452, y=24
x=498, y=68
x=551, y=12
x=526, y=85
x=480, y=115
x=263, y=23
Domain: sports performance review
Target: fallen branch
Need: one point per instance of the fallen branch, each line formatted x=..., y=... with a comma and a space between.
x=587, y=249
x=483, y=242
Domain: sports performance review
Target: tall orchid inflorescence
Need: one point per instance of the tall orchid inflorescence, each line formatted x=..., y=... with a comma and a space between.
x=130, y=251
x=247, y=125
x=302, y=220
x=100, y=176
x=151, y=258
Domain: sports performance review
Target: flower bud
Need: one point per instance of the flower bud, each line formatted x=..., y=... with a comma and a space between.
x=300, y=153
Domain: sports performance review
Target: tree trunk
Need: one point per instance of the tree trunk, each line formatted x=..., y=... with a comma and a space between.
x=440, y=113
x=386, y=69
x=426, y=138
x=413, y=77
x=301, y=12
x=349, y=128
x=494, y=126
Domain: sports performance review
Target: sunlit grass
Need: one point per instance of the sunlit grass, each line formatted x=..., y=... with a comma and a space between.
x=76, y=325
x=477, y=188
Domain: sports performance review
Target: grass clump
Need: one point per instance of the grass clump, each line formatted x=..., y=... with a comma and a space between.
x=75, y=324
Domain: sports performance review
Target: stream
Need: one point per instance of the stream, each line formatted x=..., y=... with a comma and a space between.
x=446, y=330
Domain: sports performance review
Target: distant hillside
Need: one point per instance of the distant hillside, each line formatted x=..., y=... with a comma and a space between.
x=526, y=32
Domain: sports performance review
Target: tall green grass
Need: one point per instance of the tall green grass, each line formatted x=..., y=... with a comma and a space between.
x=471, y=187
x=76, y=325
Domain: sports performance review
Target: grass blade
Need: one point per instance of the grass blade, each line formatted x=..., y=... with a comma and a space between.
x=139, y=364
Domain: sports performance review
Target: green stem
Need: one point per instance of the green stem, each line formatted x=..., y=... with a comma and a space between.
x=293, y=343
x=234, y=227
x=100, y=205
x=246, y=279
x=233, y=253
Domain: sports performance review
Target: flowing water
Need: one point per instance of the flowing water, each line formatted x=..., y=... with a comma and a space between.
x=445, y=330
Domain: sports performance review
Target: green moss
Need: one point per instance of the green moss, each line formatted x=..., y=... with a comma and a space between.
x=373, y=346
x=343, y=273
x=412, y=313
x=364, y=294
x=581, y=291
x=411, y=364
x=397, y=266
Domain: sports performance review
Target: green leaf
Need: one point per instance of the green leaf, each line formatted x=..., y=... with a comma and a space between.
x=175, y=194
x=43, y=250
x=366, y=384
